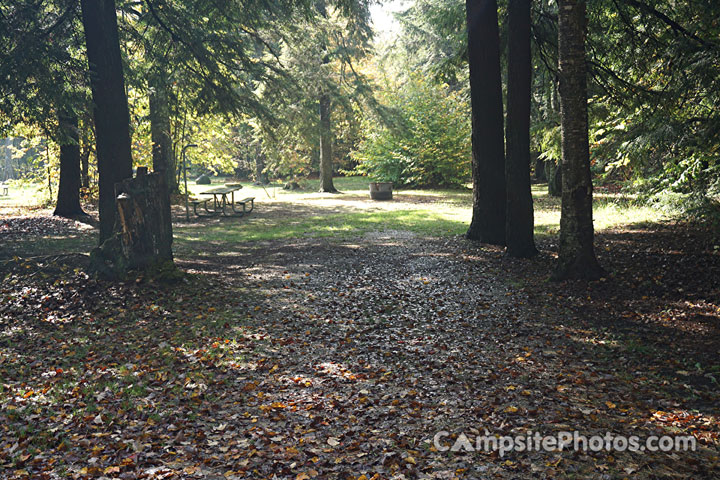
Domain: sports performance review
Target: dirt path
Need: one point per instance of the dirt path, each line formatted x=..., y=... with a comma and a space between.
x=327, y=358
x=372, y=347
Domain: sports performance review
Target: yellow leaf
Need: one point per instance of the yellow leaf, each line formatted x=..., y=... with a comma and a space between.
x=302, y=476
x=274, y=368
x=511, y=409
x=610, y=404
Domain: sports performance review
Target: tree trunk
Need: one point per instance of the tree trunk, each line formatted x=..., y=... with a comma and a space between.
x=326, y=164
x=85, y=151
x=488, y=151
x=540, y=176
x=554, y=178
x=576, y=257
x=520, y=222
x=112, y=120
x=261, y=175
x=85, y=168
x=163, y=160
x=68, y=199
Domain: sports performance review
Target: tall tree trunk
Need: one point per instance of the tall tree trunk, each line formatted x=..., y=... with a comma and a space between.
x=576, y=258
x=68, y=199
x=488, y=150
x=85, y=150
x=261, y=175
x=112, y=120
x=554, y=178
x=540, y=176
x=85, y=168
x=520, y=221
x=326, y=164
x=163, y=159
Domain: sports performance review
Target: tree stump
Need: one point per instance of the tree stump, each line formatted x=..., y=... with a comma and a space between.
x=142, y=236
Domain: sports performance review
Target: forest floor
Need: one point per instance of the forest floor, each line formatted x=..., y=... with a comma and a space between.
x=340, y=348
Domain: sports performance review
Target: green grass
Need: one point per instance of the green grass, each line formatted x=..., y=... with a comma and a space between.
x=424, y=222
x=283, y=215
x=449, y=214
x=609, y=211
x=25, y=194
x=309, y=189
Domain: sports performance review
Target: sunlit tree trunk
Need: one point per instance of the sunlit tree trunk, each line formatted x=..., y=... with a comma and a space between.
x=85, y=168
x=326, y=163
x=520, y=222
x=112, y=120
x=85, y=149
x=576, y=257
x=488, y=150
x=261, y=175
x=68, y=199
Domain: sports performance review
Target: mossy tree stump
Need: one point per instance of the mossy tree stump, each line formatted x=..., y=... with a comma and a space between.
x=142, y=236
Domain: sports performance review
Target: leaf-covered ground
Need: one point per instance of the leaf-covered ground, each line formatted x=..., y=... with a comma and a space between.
x=342, y=358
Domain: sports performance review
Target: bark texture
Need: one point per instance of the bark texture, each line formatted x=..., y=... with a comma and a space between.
x=554, y=178
x=520, y=222
x=326, y=163
x=488, y=150
x=576, y=258
x=261, y=176
x=68, y=199
x=142, y=235
x=162, y=147
x=540, y=175
x=112, y=120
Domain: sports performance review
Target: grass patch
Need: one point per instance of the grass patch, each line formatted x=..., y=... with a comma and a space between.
x=609, y=211
x=22, y=193
x=306, y=213
x=424, y=222
x=450, y=215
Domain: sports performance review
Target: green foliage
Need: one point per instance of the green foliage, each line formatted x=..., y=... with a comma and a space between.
x=435, y=39
x=430, y=146
x=41, y=64
x=323, y=56
x=655, y=71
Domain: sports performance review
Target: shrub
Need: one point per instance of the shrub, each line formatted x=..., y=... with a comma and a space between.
x=429, y=145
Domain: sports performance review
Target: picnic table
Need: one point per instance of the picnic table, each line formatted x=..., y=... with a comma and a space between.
x=223, y=197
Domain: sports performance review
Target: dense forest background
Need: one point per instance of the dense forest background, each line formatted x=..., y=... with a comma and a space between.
x=400, y=103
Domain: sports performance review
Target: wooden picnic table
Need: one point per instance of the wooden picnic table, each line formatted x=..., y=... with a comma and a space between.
x=222, y=198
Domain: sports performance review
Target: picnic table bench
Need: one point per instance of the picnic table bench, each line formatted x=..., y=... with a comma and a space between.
x=222, y=198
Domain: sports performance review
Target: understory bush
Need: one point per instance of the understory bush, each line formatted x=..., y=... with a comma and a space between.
x=429, y=143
